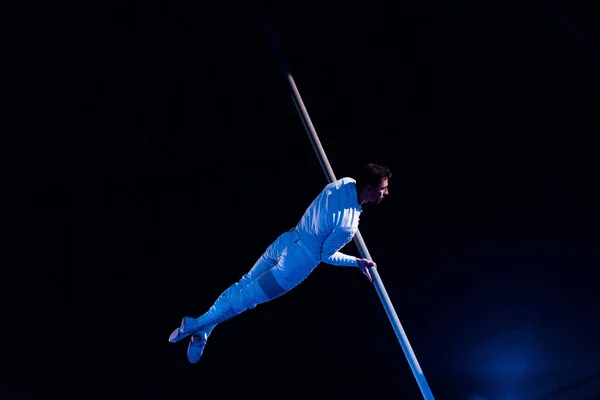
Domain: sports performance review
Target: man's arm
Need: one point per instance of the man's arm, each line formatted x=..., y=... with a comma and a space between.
x=331, y=254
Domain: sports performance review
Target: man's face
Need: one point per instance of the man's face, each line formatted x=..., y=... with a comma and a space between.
x=378, y=192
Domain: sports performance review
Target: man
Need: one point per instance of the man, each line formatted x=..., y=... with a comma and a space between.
x=328, y=224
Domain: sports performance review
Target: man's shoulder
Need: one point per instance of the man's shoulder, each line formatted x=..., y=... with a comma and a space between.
x=340, y=186
x=340, y=183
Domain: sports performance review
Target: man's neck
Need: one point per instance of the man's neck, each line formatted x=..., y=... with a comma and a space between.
x=360, y=195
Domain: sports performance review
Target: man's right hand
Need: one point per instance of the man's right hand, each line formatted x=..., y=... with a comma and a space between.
x=364, y=265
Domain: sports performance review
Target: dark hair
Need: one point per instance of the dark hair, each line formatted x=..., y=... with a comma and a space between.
x=371, y=174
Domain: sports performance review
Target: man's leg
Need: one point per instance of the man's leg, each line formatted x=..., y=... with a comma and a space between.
x=242, y=295
x=291, y=267
x=234, y=301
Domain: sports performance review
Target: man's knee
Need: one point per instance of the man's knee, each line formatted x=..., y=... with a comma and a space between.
x=269, y=285
x=243, y=297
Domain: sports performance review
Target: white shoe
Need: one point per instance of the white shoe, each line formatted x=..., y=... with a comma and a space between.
x=197, y=344
x=188, y=327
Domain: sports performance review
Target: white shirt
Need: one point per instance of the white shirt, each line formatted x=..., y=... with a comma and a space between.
x=331, y=221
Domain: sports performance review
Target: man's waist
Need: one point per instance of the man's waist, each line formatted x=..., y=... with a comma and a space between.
x=304, y=243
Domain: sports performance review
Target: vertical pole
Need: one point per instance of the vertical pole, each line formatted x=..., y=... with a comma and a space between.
x=312, y=134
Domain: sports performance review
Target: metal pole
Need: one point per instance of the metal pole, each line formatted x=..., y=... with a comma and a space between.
x=570, y=24
x=312, y=134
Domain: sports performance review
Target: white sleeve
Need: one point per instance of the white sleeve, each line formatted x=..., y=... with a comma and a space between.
x=330, y=253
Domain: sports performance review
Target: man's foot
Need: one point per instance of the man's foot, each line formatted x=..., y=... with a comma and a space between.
x=196, y=345
x=188, y=327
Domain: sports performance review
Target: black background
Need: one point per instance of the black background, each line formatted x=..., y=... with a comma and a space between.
x=151, y=151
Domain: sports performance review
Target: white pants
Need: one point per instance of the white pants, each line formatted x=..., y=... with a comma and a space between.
x=287, y=260
x=282, y=266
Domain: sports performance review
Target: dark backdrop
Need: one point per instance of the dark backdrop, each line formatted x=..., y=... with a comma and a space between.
x=151, y=152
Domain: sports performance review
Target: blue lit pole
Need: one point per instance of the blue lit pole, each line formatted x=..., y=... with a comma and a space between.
x=312, y=134
x=571, y=26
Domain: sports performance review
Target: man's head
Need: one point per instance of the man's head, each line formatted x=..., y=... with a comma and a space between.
x=372, y=183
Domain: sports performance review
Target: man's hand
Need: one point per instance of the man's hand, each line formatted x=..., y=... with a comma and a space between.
x=364, y=265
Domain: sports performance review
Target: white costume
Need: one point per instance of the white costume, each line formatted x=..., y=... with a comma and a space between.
x=328, y=224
